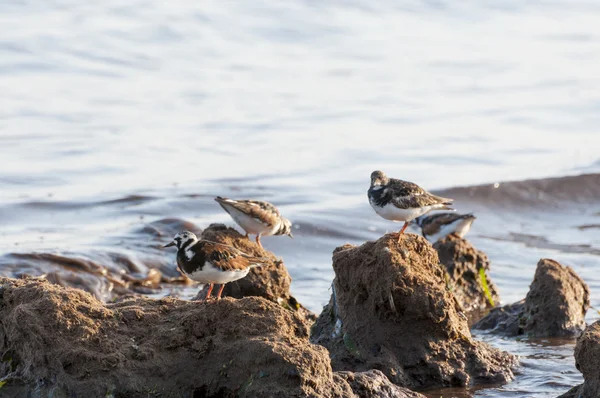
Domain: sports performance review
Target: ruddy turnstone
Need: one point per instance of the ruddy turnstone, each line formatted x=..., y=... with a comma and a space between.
x=399, y=200
x=210, y=262
x=437, y=226
x=256, y=217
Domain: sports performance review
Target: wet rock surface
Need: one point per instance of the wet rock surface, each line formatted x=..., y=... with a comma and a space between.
x=392, y=311
x=64, y=341
x=555, y=306
x=463, y=263
x=375, y=384
x=587, y=361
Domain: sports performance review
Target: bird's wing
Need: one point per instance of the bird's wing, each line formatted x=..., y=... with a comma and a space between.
x=226, y=257
x=408, y=195
x=263, y=212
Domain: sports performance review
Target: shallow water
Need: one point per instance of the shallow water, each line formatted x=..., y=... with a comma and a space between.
x=115, y=118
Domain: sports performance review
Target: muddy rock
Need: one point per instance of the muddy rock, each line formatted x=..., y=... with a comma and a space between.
x=392, y=310
x=587, y=361
x=555, y=306
x=64, y=341
x=463, y=263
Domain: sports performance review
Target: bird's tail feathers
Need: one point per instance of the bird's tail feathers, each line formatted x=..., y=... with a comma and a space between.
x=258, y=261
x=443, y=201
x=221, y=199
x=225, y=203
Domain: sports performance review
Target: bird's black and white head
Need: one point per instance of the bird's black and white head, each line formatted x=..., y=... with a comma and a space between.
x=183, y=240
x=285, y=228
x=378, y=179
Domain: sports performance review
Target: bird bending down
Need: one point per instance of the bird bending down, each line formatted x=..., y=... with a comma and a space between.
x=211, y=262
x=256, y=217
x=438, y=226
x=399, y=200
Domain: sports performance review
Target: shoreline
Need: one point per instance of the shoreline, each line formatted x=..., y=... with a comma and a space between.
x=343, y=347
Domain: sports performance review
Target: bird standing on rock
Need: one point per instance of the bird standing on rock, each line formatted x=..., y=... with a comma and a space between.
x=256, y=217
x=399, y=200
x=211, y=262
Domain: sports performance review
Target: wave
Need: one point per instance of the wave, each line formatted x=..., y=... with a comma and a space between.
x=135, y=263
x=541, y=193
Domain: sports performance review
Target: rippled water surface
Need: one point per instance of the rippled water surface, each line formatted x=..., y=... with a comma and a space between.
x=118, y=119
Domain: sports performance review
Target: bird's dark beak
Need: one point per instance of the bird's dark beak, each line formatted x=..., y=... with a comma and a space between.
x=169, y=244
x=290, y=235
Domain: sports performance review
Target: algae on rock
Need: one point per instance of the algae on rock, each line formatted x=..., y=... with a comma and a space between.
x=467, y=269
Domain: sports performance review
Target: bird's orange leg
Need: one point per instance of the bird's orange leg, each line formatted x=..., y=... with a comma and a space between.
x=258, y=240
x=220, y=291
x=402, y=230
x=210, y=287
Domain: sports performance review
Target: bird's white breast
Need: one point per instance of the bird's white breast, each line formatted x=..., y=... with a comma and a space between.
x=250, y=224
x=391, y=212
x=212, y=274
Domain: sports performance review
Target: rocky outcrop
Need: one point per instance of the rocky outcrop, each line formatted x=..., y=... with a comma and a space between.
x=587, y=361
x=110, y=276
x=64, y=342
x=392, y=310
x=464, y=264
x=555, y=306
